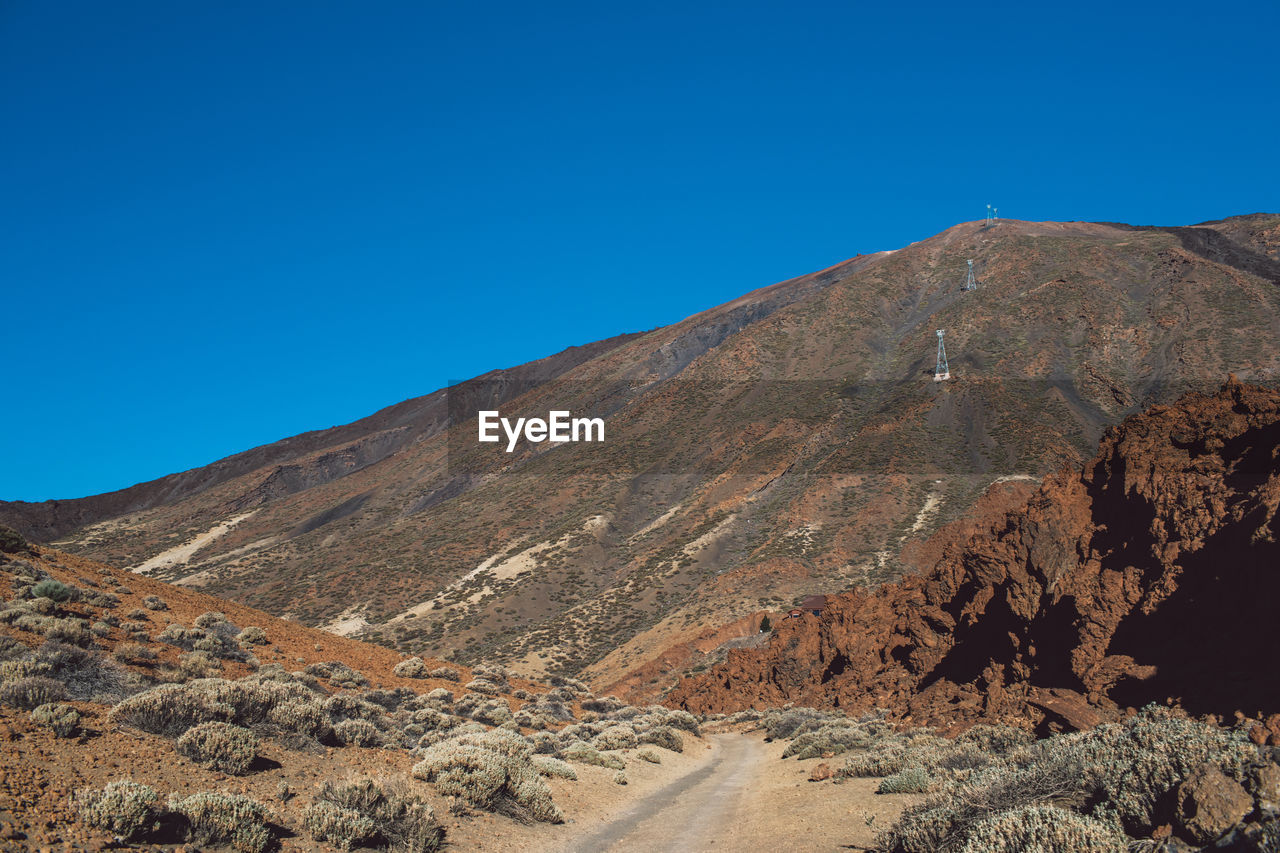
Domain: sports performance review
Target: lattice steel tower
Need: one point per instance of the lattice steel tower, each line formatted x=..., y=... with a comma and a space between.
x=970, y=283
x=941, y=372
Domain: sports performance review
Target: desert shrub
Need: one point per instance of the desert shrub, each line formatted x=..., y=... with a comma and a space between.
x=831, y=739
x=346, y=706
x=665, y=737
x=444, y=673
x=615, y=737
x=790, y=722
x=440, y=695
x=253, y=635
x=338, y=673
x=411, y=668
x=488, y=688
x=491, y=771
x=134, y=653
x=495, y=712
x=138, y=613
x=585, y=753
x=620, y=778
x=365, y=813
x=996, y=739
x=68, y=631
x=11, y=670
x=31, y=692
x=154, y=602
x=198, y=664
x=54, y=590
x=214, y=816
x=100, y=629
x=10, y=649
x=544, y=743
x=210, y=618
x=1046, y=828
x=171, y=709
x=357, y=733
x=299, y=717
x=11, y=541
x=602, y=705
x=224, y=747
x=882, y=759
x=913, y=780
x=345, y=828
x=86, y=674
x=549, y=766
x=63, y=720
x=649, y=755
x=123, y=808
x=686, y=721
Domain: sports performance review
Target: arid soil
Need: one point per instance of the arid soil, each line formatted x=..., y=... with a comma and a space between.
x=1148, y=575
x=745, y=798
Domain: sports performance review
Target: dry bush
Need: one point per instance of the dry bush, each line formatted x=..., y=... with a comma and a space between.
x=649, y=755
x=123, y=808
x=585, y=753
x=913, y=780
x=31, y=692
x=70, y=630
x=357, y=733
x=154, y=602
x=368, y=814
x=134, y=653
x=411, y=668
x=665, y=737
x=1047, y=828
x=549, y=766
x=830, y=739
x=491, y=771
x=214, y=816
x=253, y=635
x=615, y=737
x=224, y=747
x=63, y=720
x=445, y=673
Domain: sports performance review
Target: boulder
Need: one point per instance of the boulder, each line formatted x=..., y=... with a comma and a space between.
x=1210, y=803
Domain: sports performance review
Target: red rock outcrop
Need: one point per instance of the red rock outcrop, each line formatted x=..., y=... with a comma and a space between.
x=1153, y=574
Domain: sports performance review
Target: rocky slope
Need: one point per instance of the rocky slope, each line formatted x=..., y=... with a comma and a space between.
x=786, y=443
x=1151, y=574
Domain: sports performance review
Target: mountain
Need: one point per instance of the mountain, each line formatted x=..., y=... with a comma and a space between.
x=1148, y=575
x=789, y=442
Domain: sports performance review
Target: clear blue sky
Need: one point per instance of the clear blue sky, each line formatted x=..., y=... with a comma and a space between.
x=225, y=223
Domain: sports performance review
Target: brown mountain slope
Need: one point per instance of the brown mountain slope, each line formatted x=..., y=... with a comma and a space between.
x=789, y=442
x=1150, y=574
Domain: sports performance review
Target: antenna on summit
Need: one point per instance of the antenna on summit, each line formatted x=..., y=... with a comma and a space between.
x=970, y=283
x=991, y=217
x=941, y=373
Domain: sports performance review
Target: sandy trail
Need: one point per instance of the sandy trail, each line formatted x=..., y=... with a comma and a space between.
x=691, y=814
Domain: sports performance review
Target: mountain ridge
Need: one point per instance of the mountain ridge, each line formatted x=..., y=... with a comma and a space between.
x=788, y=442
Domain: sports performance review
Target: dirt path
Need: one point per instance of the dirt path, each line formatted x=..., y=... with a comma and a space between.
x=693, y=812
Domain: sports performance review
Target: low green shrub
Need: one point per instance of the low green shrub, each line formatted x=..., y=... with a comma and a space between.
x=54, y=590
x=615, y=737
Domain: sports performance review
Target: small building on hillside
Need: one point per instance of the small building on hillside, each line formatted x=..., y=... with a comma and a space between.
x=814, y=604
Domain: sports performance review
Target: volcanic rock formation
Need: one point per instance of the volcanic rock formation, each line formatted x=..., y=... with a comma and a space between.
x=1151, y=574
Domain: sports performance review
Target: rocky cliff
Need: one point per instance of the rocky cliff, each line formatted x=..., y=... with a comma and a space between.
x=1151, y=574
